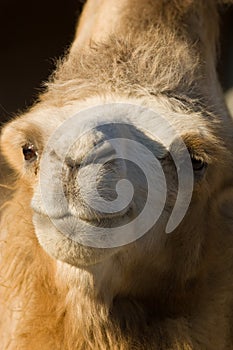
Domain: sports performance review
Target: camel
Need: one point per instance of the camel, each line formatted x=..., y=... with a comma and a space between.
x=140, y=75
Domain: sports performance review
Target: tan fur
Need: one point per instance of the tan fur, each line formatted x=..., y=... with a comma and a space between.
x=179, y=299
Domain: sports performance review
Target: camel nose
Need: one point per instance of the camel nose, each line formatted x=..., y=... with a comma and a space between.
x=100, y=180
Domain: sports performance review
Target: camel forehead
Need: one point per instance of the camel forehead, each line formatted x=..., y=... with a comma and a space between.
x=155, y=119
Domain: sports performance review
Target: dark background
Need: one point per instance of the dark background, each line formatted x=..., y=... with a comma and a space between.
x=34, y=33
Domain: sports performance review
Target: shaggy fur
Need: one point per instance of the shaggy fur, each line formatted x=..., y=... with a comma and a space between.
x=180, y=300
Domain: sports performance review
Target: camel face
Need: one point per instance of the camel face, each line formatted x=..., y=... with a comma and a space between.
x=116, y=176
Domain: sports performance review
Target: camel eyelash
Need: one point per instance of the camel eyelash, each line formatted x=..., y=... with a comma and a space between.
x=199, y=162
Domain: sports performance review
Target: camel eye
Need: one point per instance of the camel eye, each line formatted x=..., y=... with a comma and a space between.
x=198, y=164
x=29, y=152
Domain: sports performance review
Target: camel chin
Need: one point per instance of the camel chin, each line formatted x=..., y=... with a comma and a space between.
x=68, y=247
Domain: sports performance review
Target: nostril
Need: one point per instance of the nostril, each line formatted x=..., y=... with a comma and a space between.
x=71, y=163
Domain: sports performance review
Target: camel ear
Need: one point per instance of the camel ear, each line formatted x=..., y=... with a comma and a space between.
x=225, y=207
x=11, y=145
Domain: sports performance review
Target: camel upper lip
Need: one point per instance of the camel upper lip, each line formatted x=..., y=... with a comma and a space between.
x=94, y=220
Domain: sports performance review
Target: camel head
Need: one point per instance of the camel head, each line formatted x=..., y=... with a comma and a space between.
x=127, y=158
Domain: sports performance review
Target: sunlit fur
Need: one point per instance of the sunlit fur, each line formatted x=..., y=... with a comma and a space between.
x=179, y=297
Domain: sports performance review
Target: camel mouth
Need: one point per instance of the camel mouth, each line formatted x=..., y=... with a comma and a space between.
x=81, y=233
x=108, y=220
x=78, y=213
x=91, y=219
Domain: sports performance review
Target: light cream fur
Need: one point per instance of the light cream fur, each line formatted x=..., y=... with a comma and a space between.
x=175, y=294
